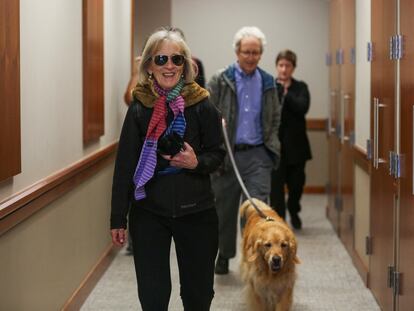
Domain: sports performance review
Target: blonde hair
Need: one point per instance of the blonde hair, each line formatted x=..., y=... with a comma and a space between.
x=152, y=45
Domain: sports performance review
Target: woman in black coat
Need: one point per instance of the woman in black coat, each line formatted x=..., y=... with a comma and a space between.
x=170, y=142
x=295, y=99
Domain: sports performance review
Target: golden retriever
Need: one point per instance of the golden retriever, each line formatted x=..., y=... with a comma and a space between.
x=268, y=259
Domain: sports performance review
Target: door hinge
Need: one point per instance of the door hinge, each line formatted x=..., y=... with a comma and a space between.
x=390, y=276
x=352, y=138
x=396, y=47
x=399, y=48
x=328, y=59
x=353, y=56
x=370, y=51
x=396, y=168
x=394, y=280
x=340, y=57
x=369, y=149
x=368, y=245
x=391, y=156
x=397, y=283
x=392, y=49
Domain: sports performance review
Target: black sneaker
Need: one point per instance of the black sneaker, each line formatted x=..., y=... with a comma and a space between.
x=222, y=265
x=296, y=222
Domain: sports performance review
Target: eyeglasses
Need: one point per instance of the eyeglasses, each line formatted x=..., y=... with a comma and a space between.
x=250, y=53
x=161, y=60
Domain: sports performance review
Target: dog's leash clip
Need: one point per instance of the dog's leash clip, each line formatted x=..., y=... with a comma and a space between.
x=268, y=218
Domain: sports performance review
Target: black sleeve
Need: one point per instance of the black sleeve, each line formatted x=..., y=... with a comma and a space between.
x=297, y=100
x=200, y=79
x=279, y=88
x=126, y=160
x=212, y=147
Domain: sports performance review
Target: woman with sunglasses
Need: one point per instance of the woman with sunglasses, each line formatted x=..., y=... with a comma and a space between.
x=170, y=142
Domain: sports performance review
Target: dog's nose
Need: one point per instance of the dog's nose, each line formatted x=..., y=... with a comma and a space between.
x=276, y=263
x=276, y=260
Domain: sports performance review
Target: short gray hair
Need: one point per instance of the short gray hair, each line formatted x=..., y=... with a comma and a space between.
x=154, y=42
x=248, y=31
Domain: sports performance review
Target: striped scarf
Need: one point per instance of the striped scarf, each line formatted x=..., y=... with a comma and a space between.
x=158, y=125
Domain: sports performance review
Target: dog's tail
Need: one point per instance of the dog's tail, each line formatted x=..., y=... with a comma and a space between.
x=247, y=209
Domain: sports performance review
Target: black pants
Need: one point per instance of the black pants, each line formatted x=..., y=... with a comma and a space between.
x=292, y=175
x=196, y=243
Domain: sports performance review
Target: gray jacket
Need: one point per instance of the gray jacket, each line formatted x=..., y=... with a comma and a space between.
x=223, y=94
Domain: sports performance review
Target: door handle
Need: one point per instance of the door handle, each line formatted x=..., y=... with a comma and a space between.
x=344, y=111
x=377, y=106
x=331, y=129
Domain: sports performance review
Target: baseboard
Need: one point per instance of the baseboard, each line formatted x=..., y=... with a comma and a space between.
x=314, y=189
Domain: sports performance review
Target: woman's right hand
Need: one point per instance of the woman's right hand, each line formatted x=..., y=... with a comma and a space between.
x=119, y=236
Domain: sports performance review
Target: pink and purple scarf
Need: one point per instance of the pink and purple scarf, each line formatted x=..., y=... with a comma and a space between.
x=157, y=126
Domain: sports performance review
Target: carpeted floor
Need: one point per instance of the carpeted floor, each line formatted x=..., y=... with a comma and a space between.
x=327, y=279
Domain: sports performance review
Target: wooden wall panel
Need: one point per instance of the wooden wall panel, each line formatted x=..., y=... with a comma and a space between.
x=93, y=70
x=333, y=139
x=346, y=104
x=383, y=185
x=406, y=217
x=10, y=160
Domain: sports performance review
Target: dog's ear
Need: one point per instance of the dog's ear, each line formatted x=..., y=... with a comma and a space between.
x=253, y=250
x=293, y=250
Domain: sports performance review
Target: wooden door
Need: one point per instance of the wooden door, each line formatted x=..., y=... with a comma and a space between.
x=333, y=120
x=347, y=99
x=383, y=186
x=406, y=232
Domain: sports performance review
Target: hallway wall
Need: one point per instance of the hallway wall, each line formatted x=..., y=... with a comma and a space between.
x=149, y=15
x=58, y=229
x=46, y=258
x=363, y=73
x=301, y=25
x=51, y=85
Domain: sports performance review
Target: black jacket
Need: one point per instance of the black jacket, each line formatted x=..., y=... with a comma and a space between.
x=173, y=195
x=292, y=132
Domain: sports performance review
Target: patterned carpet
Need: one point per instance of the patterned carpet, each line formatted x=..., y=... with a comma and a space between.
x=327, y=279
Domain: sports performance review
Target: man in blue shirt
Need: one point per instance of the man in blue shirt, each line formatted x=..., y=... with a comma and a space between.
x=247, y=98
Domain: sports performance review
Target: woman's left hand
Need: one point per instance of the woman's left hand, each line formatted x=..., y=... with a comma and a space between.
x=185, y=158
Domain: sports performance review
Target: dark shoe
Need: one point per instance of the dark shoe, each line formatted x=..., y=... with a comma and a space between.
x=222, y=265
x=296, y=222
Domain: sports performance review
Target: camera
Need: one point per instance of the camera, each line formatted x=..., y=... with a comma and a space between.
x=170, y=144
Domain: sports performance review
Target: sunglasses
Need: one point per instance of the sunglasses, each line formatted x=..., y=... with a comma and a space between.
x=161, y=60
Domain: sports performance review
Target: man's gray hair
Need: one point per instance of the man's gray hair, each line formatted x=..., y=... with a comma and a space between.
x=248, y=31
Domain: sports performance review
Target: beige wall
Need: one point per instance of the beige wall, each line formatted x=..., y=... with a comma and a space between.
x=51, y=85
x=363, y=73
x=317, y=168
x=45, y=258
x=362, y=214
x=301, y=25
x=149, y=15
